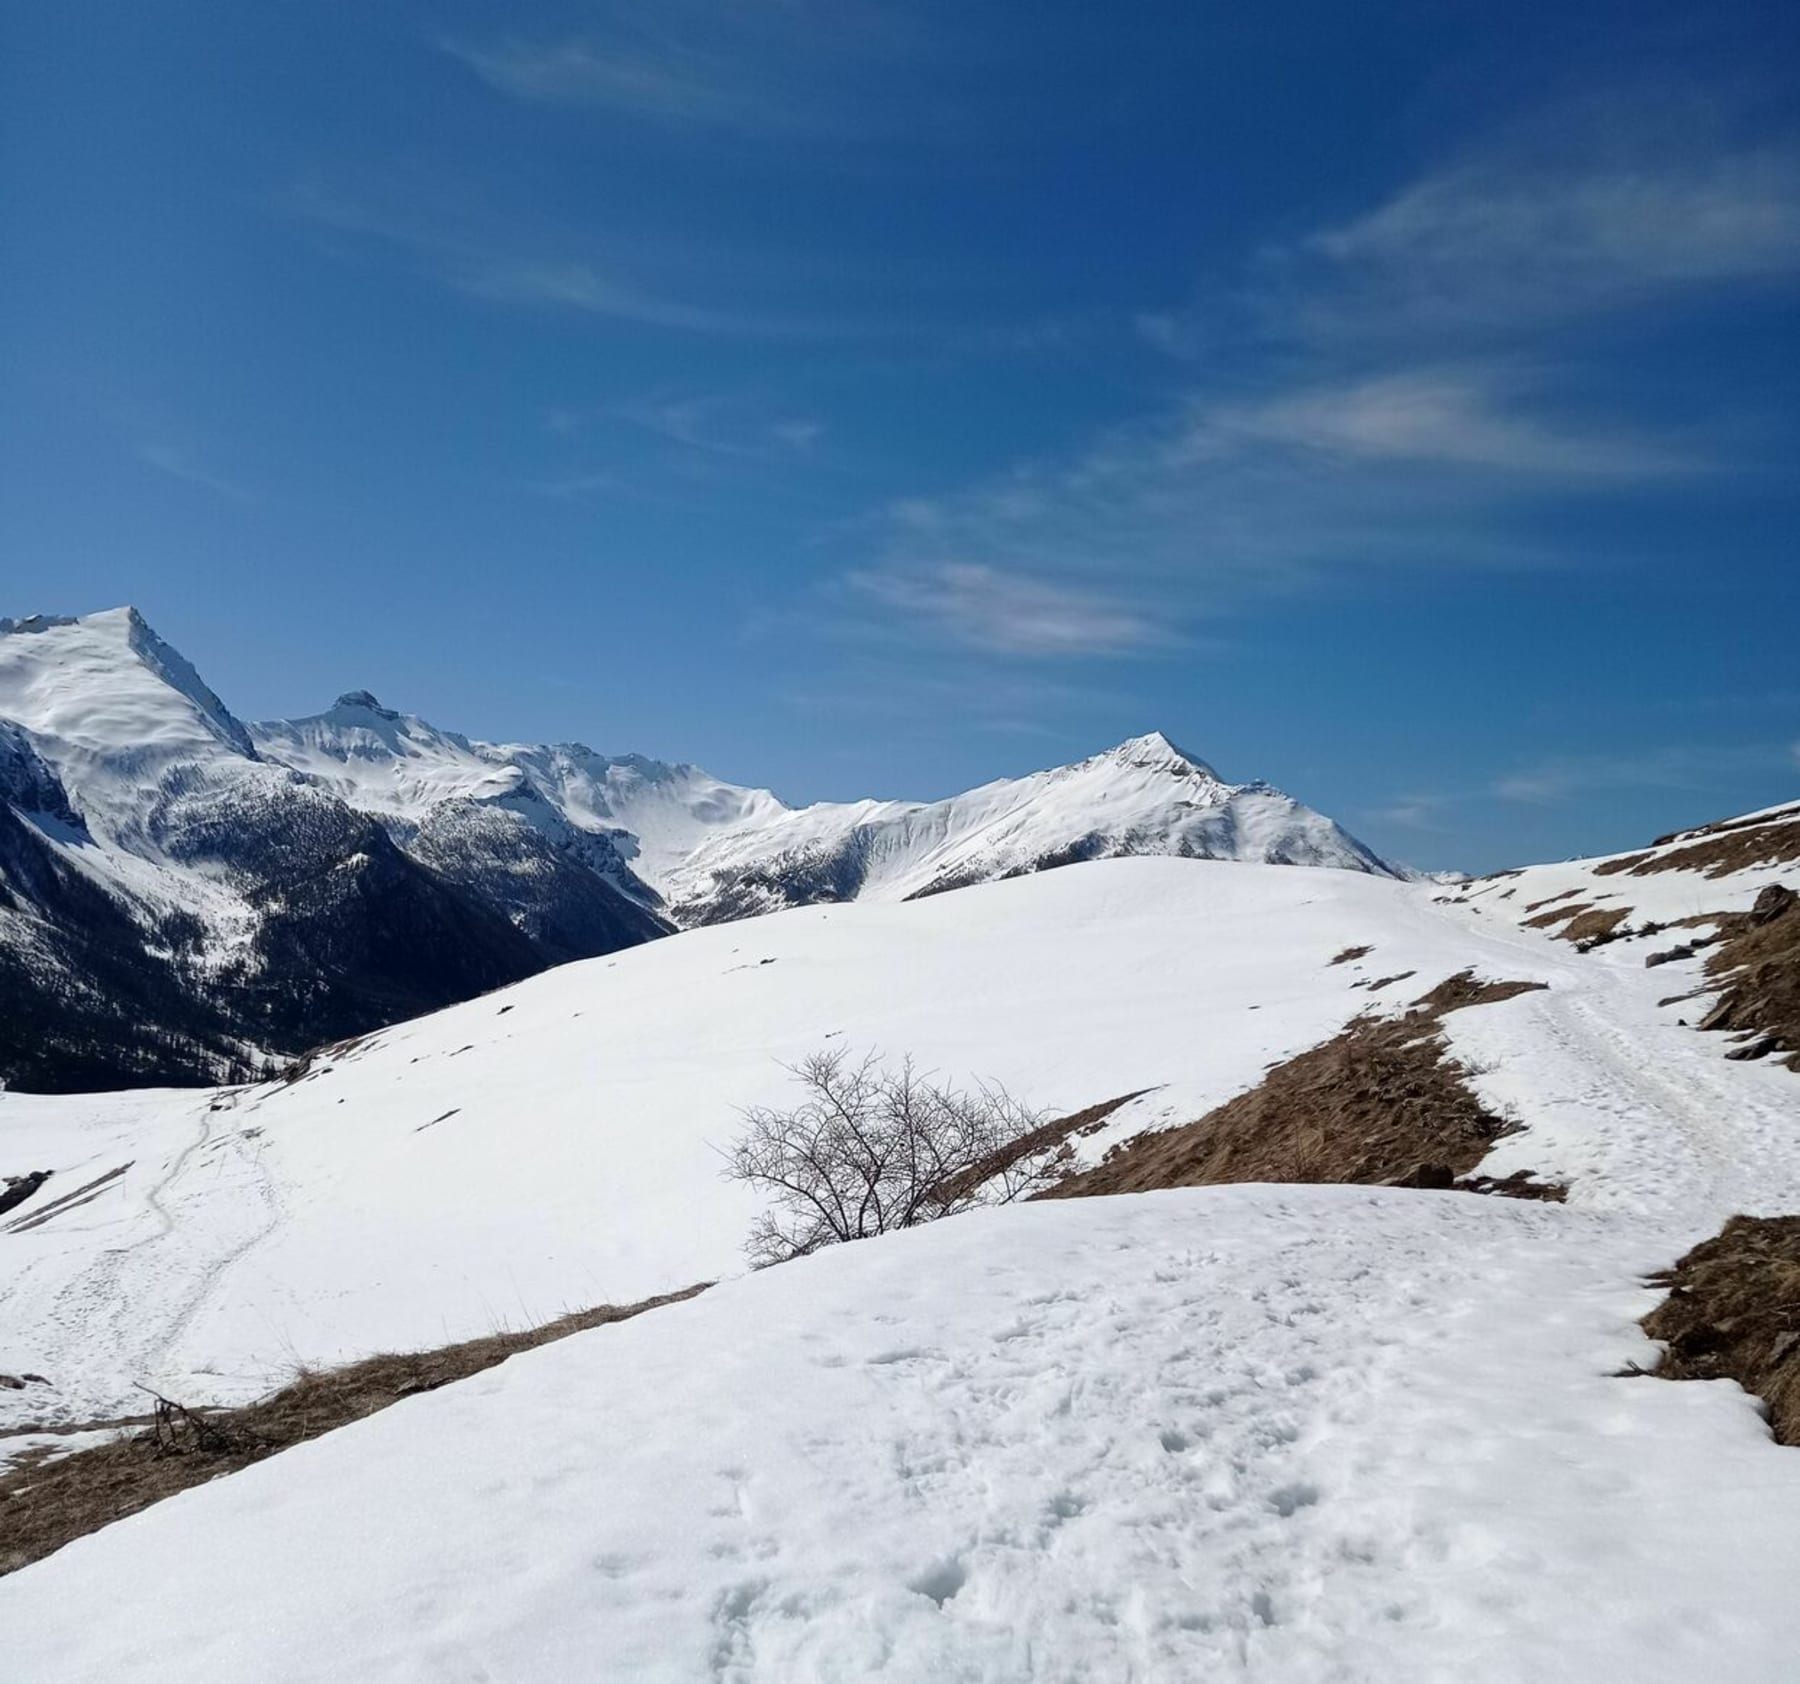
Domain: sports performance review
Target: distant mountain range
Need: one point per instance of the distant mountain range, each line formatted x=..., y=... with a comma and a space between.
x=184, y=897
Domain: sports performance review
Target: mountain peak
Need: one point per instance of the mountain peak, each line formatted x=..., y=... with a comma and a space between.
x=362, y=701
x=109, y=682
x=1154, y=751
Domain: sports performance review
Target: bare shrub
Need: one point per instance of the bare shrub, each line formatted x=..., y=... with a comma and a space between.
x=871, y=1148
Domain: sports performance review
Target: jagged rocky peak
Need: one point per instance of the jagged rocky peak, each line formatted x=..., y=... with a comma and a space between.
x=29, y=623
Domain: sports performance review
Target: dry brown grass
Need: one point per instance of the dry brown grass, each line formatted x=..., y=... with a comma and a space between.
x=44, y=1507
x=1382, y=1103
x=1719, y=826
x=1595, y=925
x=1716, y=850
x=1733, y=1312
x=1545, y=920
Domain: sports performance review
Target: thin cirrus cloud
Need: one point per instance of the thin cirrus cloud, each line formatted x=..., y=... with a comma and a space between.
x=1009, y=613
x=1461, y=417
x=671, y=84
x=480, y=257
x=858, y=69
x=1391, y=404
x=1212, y=504
x=180, y=464
x=1585, y=210
x=1681, y=766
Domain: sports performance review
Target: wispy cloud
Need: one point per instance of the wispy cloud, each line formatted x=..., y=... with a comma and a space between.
x=1214, y=503
x=858, y=69
x=1469, y=417
x=1414, y=812
x=672, y=83
x=1679, y=766
x=718, y=424
x=580, y=286
x=961, y=695
x=1588, y=208
x=480, y=255
x=1009, y=613
x=181, y=464
x=1390, y=402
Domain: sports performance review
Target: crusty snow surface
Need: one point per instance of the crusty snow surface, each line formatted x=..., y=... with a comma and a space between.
x=1291, y=1434
x=1294, y=1434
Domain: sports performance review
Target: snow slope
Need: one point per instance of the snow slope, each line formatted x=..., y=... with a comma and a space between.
x=1671, y=880
x=556, y=1145
x=1298, y=1434
x=1289, y=1434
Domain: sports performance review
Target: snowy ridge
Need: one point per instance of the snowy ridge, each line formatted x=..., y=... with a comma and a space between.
x=714, y=850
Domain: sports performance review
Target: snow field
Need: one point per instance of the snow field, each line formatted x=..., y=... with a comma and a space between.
x=556, y=1144
x=1298, y=1434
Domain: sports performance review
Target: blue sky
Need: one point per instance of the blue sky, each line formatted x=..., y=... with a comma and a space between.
x=1394, y=401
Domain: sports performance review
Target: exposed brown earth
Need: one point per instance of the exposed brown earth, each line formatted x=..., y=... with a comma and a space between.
x=1582, y=922
x=1719, y=826
x=1350, y=953
x=1718, y=850
x=1595, y=925
x=1756, y=963
x=1381, y=1103
x=1544, y=920
x=1733, y=1312
x=44, y=1507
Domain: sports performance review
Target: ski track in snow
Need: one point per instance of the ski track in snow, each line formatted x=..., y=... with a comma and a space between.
x=121, y=1312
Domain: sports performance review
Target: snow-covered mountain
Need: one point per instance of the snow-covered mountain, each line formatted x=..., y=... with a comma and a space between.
x=182, y=895
x=711, y=850
x=174, y=906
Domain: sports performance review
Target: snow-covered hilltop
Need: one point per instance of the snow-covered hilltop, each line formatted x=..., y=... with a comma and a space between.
x=248, y=891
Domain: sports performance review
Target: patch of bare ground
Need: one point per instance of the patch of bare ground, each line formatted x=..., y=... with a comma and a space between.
x=1544, y=920
x=1380, y=1104
x=45, y=1506
x=1733, y=1312
x=1586, y=925
x=1756, y=964
x=1349, y=953
x=1791, y=811
x=1720, y=850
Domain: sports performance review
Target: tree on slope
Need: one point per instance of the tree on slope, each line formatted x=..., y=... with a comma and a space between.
x=871, y=1148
